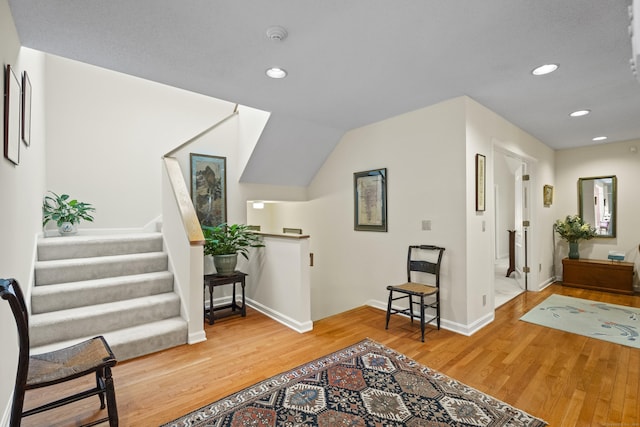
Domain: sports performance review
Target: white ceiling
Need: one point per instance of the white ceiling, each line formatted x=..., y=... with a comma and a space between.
x=354, y=62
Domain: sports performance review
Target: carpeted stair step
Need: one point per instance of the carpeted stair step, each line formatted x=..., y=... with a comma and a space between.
x=63, y=296
x=135, y=341
x=78, y=269
x=64, y=325
x=117, y=286
x=53, y=248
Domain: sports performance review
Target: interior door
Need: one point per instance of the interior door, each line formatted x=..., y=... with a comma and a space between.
x=521, y=222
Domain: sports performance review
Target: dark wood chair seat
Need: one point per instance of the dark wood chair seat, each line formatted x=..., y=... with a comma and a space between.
x=93, y=356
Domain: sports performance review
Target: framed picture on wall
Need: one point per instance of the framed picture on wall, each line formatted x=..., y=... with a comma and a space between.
x=12, y=117
x=26, y=109
x=370, y=197
x=547, y=195
x=209, y=188
x=480, y=182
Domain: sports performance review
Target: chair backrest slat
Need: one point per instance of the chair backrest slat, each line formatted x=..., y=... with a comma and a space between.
x=422, y=265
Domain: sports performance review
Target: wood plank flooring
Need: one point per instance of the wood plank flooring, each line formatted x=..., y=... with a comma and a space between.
x=565, y=379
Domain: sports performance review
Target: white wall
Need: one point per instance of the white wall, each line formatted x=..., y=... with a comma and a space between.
x=608, y=159
x=487, y=130
x=107, y=133
x=430, y=158
x=423, y=152
x=278, y=280
x=20, y=191
x=277, y=215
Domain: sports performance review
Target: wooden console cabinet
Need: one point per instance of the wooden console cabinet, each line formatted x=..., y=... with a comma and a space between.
x=601, y=275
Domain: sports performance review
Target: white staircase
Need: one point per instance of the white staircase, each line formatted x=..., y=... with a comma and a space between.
x=116, y=286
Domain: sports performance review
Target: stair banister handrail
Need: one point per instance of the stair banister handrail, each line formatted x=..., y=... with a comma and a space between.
x=185, y=205
x=201, y=134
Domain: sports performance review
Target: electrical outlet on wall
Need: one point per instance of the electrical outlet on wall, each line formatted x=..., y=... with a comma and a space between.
x=426, y=224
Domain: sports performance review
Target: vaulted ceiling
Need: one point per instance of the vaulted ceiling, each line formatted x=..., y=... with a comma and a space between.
x=354, y=62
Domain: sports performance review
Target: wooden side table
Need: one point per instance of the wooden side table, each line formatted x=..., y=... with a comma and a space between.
x=213, y=280
x=600, y=275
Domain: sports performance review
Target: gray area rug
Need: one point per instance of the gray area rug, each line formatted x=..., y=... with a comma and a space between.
x=609, y=322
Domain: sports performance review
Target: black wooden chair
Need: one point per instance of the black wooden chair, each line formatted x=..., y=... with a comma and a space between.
x=89, y=357
x=427, y=294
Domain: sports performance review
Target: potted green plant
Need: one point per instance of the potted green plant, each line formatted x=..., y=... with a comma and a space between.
x=65, y=211
x=573, y=229
x=225, y=242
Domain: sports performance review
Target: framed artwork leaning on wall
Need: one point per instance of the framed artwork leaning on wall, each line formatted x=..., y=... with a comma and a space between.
x=209, y=188
x=12, y=116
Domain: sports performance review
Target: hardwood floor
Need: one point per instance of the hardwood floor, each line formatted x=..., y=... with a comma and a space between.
x=565, y=379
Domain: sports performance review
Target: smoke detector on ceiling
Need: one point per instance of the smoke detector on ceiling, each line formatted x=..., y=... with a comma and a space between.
x=276, y=33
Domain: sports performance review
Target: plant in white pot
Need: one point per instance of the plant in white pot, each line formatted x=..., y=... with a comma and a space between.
x=65, y=211
x=225, y=242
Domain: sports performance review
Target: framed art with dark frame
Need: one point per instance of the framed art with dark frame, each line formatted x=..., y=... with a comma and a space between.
x=26, y=109
x=209, y=188
x=370, y=198
x=547, y=195
x=12, y=117
x=480, y=182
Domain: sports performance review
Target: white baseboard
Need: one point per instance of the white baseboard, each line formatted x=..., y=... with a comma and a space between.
x=6, y=416
x=196, y=337
x=277, y=316
x=470, y=329
x=447, y=324
x=547, y=283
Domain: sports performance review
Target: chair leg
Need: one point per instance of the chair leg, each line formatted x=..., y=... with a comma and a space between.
x=411, y=307
x=422, y=316
x=438, y=309
x=100, y=386
x=389, y=308
x=112, y=408
x=16, y=409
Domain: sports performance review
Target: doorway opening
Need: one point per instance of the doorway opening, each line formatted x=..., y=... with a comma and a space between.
x=511, y=198
x=505, y=288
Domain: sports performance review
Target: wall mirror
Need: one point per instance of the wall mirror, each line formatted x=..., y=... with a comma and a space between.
x=597, y=203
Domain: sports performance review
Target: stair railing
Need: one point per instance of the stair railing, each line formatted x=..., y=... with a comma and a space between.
x=184, y=239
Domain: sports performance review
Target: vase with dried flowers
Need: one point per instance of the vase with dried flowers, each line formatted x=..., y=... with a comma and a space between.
x=573, y=229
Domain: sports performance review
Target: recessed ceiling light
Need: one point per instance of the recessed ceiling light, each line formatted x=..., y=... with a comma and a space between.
x=599, y=138
x=580, y=113
x=276, y=73
x=544, y=69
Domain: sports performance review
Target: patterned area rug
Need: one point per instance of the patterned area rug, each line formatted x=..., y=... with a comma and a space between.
x=609, y=322
x=366, y=384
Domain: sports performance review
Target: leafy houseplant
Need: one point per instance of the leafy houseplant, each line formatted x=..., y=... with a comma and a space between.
x=573, y=229
x=66, y=212
x=225, y=241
